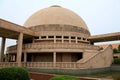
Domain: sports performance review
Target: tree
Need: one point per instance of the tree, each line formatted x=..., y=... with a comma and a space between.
x=115, y=50
x=119, y=48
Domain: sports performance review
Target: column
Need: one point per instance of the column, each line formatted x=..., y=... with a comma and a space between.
x=25, y=57
x=19, y=48
x=54, y=59
x=69, y=39
x=2, y=49
x=54, y=39
x=76, y=39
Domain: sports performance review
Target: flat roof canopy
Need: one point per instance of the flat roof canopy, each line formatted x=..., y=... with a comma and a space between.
x=105, y=37
x=11, y=30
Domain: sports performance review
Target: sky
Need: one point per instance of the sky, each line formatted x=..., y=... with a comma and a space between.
x=101, y=16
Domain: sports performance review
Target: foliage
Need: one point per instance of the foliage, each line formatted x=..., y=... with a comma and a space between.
x=115, y=50
x=14, y=73
x=119, y=48
x=64, y=77
x=117, y=61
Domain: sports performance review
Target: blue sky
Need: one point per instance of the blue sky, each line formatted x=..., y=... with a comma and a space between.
x=101, y=16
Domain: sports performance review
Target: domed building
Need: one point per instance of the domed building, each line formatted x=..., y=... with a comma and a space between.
x=56, y=37
x=59, y=32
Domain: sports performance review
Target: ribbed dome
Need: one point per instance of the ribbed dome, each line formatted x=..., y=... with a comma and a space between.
x=55, y=15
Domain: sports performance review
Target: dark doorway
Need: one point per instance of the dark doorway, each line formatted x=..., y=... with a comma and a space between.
x=79, y=56
x=29, y=57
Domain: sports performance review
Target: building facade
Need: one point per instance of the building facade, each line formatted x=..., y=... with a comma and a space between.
x=56, y=37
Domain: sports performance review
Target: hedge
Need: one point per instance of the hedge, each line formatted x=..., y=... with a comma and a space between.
x=64, y=77
x=14, y=73
x=116, y=60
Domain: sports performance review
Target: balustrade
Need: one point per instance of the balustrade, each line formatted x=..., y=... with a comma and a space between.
x=8, y=64
x=44, y=65
x=54, y=46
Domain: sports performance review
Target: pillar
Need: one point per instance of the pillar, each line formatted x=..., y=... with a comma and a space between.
x=54, y=58
x=54, y=39
x=19, y=48
x=69, y=39
x=76, y=40
x=2, y=49
x=25, y=57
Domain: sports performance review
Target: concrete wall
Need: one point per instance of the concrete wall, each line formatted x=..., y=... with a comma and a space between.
x=102, y=59
x=77, y=72
x=42, y=57
x=60, y=57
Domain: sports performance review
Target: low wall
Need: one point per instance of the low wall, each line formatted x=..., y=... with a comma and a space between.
x=40, y=74
x=115, y=68
x=70, y=72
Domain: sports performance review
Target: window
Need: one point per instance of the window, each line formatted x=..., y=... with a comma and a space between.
x=43, y=37
x=58, y=36
x=84, y=38
x=78, y=38
x=66, y=37
x=72, y=37
x=50, y=36
x=36, y=37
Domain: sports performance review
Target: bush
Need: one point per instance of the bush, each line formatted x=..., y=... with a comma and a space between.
x=14, y=73
x=64, y=77
x=115, y=50
x=117, y=61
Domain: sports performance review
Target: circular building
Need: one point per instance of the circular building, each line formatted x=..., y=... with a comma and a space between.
x=61, y=40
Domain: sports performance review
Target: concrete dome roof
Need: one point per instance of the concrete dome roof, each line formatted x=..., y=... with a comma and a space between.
x=55, y=15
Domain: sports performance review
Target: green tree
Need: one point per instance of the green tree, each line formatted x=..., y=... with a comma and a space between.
x=115, y=50
x=119, y=48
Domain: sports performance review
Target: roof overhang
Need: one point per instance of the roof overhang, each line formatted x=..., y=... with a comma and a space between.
x=105, y=37
x=11, y=30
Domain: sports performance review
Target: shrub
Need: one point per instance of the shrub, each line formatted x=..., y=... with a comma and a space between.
x=14, y=73
x=64, y=77
x=115, y=50
x=117, y=61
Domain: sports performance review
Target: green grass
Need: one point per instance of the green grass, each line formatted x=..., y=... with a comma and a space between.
x=64, y=77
